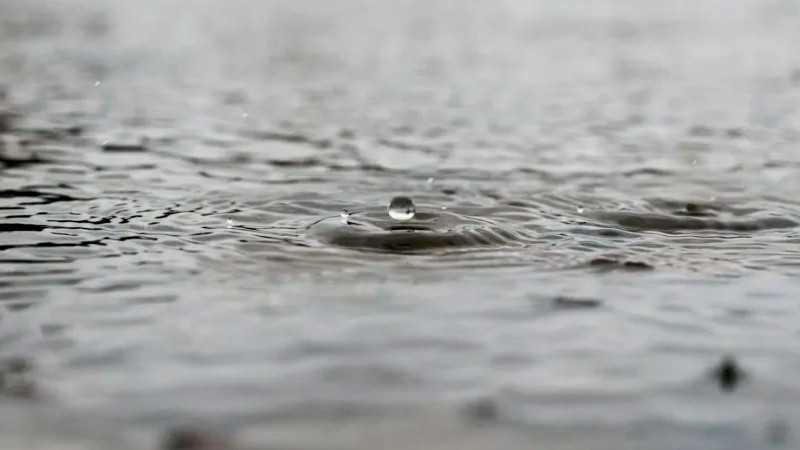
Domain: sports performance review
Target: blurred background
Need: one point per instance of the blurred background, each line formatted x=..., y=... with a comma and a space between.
x=604, y=251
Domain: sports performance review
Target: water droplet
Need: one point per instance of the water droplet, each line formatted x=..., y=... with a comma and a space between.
x=430, y=181
x=444, y=207
x=244, y=115
x=345, y=215
x=230, y=223
x=96, y=83
x=402, y=208
x=580, y=209
x=105, y=142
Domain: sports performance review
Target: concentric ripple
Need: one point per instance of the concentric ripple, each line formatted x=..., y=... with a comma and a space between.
x=665, y=222
x=373, y=229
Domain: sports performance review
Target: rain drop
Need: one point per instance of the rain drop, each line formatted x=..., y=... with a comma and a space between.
x=402, y=208
x=345, y=215
x=244, y=115
x=96, y=83
x=230, y=223
x=580, y=209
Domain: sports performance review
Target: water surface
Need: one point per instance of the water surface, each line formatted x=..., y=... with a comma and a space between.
x=606, y=208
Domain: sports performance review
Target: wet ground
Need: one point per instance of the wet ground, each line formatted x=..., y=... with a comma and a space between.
x=603, y=252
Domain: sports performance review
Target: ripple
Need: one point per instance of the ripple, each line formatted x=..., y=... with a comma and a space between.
x=373, y=229
x=665, y=222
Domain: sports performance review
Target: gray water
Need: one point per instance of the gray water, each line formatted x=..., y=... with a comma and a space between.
x=606, y=208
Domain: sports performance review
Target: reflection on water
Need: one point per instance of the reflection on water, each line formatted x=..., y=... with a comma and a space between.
x=385, y=224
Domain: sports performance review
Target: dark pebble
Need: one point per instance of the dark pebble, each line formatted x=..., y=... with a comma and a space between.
x=734, y=133
x=572, y=302
x=728, y=374
x=75, y=130
x=196, y=438
x=5, y=122
x=483, y=410
x=18, y=365
x=347, y=133
x=701, y=131
x=19, y=306
x=132, y=148
x=16, y=380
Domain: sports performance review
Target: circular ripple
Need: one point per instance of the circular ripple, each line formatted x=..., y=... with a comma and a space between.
x=373, y=229
x=664, y=222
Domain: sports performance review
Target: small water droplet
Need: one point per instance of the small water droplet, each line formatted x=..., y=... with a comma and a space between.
x=105, y=142
x=402, y=208
x=244, y=115
x=96, y=83
x=444, y=207
x=580, y=209
x=430, y=181
x=230, y=223
x=345, y=215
